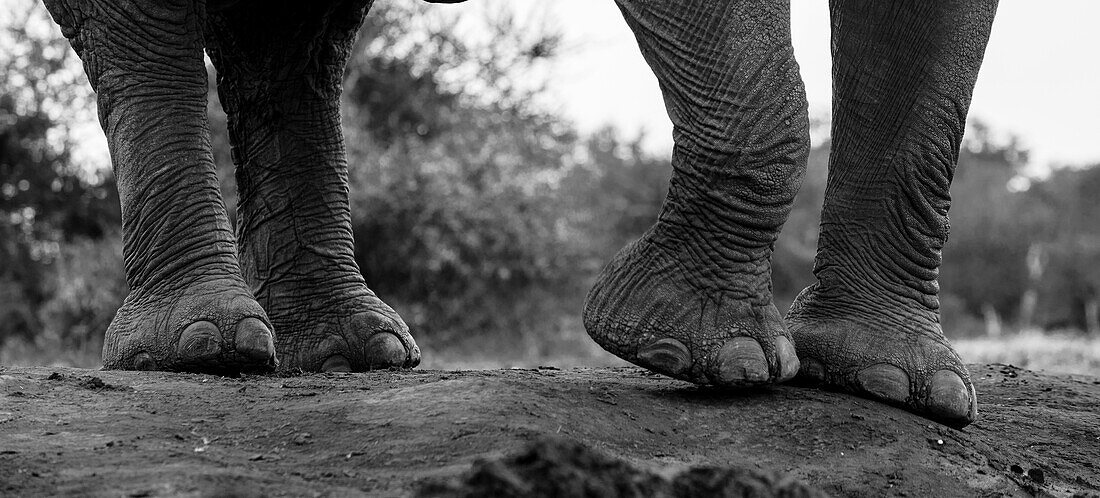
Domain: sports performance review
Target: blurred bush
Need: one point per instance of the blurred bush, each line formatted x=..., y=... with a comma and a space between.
x=1023, y=251
x=53, y=207
x=455, y=177
x=481, y=213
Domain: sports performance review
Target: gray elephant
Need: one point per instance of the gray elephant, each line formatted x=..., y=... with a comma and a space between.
x=690, y=299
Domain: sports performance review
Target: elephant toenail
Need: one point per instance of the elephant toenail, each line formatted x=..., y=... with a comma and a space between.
x=254, y=340
x=949, y=397
x=812, y=370
x=787, y=358
x=385, y=350
x=667, y=356
x=741, y=360
x=200, y=340
x=336, y=363
x=142, y=361
x=885, y=381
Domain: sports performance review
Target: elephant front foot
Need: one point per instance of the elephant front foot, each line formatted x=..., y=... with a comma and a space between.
x=899, y=356
x=355, y=332
x=661, y=306
x=210, y=327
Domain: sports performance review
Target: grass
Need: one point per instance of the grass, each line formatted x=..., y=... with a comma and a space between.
x=1066, y=352
x=1059, y=352
x=18, y=352
x=569, y=346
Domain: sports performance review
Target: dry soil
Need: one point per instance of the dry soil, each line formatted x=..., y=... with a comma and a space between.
x=84, y=432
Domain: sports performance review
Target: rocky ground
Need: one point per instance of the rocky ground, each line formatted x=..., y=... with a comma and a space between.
x=453, y=433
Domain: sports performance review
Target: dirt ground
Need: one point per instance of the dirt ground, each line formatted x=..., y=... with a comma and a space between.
x=83, y=432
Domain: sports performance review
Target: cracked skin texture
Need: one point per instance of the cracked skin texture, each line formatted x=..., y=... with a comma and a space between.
x=202, y=299
x=188, y=307
x=870, y=325
x=691, y=299
x=281, y=96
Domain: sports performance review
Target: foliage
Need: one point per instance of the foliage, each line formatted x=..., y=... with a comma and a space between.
x=1013, y=237
x=455, y=198
x=47, y=199
x=86, y=288
x=481, y=214
x=616, y=191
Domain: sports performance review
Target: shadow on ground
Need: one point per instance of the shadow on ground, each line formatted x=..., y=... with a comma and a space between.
x=82, y=432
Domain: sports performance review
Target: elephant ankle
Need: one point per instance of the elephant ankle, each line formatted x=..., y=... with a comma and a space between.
x=821, y=303
x=713, y=259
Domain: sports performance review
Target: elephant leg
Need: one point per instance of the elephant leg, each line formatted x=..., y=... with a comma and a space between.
x=903, y=75
x=692, y=297
x=188, y=307
x=280, y=66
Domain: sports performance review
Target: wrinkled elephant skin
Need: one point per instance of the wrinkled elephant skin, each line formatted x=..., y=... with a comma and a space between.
x=690, y=299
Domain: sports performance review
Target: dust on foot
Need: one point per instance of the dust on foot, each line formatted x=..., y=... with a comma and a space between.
x=705, y=325
x=905, y=363
x=210, y=327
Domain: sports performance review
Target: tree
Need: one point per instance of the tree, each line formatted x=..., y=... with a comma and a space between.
x=47, y=199
x=455, y=175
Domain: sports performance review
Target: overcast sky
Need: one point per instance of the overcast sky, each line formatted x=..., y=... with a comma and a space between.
x=1040, y=79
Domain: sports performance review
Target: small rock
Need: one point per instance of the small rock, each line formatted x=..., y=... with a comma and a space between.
x=303, y=438
x=1036, y=475
x=55, y=376
x=1017, y=469
x=256, y=457
x=91, y=382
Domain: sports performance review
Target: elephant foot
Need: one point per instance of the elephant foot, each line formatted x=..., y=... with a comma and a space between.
x=355, y=333
x=891, y=356
x=210, y=327
x=659, y=306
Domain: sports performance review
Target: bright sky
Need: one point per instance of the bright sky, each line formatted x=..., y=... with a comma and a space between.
x=1040, y=79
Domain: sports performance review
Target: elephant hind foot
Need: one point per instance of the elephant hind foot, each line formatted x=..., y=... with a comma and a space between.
x=659, y=308
x=358, y=333
x=897, y=358
x=211, y=327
